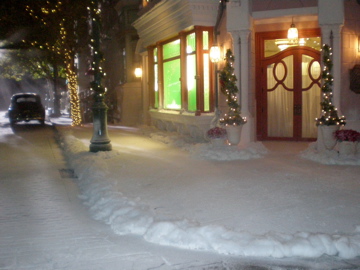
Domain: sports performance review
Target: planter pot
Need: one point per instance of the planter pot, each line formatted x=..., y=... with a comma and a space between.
x=327, y=133
x=347, y=148
x=218, y=142
x=233, y=134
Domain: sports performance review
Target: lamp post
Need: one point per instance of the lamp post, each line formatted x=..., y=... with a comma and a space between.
x=100, y=140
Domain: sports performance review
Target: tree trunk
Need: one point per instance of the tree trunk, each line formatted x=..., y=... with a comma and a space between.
x=57, y=95
x=72, y=88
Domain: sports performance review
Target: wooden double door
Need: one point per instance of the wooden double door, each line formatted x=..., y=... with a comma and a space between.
x=289, y=94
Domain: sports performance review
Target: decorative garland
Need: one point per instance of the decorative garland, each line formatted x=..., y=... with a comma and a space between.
x=329, y=115
x=229, y=89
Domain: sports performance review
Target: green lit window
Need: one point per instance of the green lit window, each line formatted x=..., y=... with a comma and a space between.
x=191, y=70
x=172, y=86
x=171, y=50
x=172, y=75
x=182, y=72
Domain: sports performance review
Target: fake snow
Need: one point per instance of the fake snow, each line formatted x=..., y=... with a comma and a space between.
x=126, y=190
x=330, y=157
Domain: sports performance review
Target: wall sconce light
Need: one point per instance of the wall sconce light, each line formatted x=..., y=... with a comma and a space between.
x=358, y=43
x=138, y=72
x=293, y=34
x=291, y=40
x=215, y=55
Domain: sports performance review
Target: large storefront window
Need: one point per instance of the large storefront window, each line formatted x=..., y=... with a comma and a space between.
x=181, y=72
x=172, y=75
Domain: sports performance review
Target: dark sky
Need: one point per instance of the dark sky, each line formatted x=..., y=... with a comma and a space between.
x=14, y=19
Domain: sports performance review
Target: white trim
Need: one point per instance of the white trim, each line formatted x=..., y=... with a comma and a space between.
x=285, y=15
x=169, y=17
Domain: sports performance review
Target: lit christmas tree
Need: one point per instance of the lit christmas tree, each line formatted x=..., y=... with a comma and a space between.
x=62, y=19
x=329, y=115
x=229, y=89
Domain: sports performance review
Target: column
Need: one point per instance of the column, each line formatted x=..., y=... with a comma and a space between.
x=242, y=72
x=331, y=24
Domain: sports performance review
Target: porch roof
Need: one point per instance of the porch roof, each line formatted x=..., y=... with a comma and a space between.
x=167, y=18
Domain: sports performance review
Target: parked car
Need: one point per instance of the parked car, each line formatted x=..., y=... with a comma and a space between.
x=26, y=107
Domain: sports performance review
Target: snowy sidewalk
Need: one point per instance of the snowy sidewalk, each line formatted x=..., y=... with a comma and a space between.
x=42, y=222
x=44, y=226
x=267, y=202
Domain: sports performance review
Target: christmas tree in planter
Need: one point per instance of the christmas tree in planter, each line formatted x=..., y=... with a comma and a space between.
x=329, y=115
x=232, y=119
x=329, y=121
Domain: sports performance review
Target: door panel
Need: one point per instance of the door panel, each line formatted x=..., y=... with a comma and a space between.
x=311, y=95
x=280, y=97
x=290, y=94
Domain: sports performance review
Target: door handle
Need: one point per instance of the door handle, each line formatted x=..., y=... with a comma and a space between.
x=297, y=109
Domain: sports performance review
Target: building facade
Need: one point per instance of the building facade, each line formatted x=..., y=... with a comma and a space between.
x=279, y=79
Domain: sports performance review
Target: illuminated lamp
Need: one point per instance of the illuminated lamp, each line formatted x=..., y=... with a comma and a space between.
x=138, y=72
x=215, y=54
x=293, y=34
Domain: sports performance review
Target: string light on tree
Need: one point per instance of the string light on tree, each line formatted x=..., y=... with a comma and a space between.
x=229, y=89
x=329, y=115
x=100, y=140
x=63, y=47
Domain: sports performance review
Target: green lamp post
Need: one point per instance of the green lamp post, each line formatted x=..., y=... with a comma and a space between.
x=100, y=140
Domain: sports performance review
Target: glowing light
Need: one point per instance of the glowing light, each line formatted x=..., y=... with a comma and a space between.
x=293, y=34
x=138, y=72
x=329, y=114
x=215, y=54
x=62, y=49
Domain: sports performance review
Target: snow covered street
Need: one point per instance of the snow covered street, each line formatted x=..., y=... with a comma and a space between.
x=263, y=206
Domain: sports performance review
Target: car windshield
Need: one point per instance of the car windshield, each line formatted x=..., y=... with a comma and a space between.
x=26, y=99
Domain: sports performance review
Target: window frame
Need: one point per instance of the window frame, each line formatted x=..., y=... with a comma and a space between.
x=199, y=56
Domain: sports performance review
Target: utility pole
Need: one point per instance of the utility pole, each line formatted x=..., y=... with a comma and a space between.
x=100, y=140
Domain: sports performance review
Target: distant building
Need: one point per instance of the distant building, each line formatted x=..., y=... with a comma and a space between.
x=279, y=81
x=278, y=77
x=118, y=43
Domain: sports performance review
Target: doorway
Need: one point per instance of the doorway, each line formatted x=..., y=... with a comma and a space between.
x=288, y=89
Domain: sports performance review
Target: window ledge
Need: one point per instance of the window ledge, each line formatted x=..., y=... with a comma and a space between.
x=186, y=123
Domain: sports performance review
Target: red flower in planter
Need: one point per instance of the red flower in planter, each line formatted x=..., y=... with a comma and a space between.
x=347, y=135
x=216, y=133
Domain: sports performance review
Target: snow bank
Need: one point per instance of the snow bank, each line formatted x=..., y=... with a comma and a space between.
x=130, y=216
x=227, y=152
x=201, y=149
x=329, y=157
